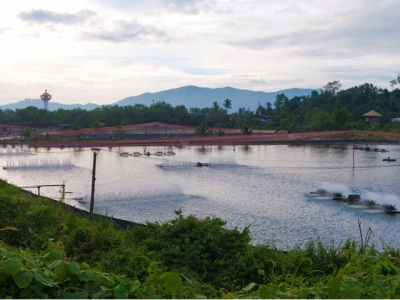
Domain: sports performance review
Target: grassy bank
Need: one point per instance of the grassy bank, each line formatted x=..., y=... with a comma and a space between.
x=48, y=251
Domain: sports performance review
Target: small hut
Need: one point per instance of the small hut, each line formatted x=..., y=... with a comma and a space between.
x=372, y=117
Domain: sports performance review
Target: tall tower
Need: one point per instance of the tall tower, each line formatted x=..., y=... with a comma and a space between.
x=46, y=97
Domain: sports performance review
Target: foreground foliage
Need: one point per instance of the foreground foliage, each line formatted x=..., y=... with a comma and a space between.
x=47, y=251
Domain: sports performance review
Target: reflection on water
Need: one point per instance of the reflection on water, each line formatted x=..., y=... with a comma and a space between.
x=264, y=187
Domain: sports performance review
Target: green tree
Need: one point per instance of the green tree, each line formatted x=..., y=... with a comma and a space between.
x=332, y=87
x=215, y=106
x=227, y=104
x=96, y=125
x=202, y=130
x=36, y=136
x=321, y=120
x=342, y=117
x=246, y=130
x=220, y=133
x=217, y=118
x=284, y=123
x=74, y=126
x=269, y=111
x=27, y=133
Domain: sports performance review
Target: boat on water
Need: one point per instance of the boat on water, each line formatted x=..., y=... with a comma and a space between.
x=136, y=154
x=159, y=153
x=389, y=159
x=170, y=153
x=199, y=164
x=124, y=154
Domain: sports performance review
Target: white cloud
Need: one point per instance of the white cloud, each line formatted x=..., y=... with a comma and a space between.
x=124, y=31
x=188, y=6
x=41, y=16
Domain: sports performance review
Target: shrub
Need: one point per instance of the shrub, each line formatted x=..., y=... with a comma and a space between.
x=203, y=247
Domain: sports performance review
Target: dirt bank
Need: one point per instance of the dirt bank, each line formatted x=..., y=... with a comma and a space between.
x=253, y=139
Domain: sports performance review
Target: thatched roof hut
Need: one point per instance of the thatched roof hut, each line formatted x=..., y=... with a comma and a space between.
x=372, y=116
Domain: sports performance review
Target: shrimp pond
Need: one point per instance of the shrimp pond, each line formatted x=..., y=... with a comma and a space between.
x=265, y=187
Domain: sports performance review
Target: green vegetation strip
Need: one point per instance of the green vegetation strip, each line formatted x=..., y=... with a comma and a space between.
x=48, y=251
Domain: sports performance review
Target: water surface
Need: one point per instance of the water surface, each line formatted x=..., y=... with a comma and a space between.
x=262, y=187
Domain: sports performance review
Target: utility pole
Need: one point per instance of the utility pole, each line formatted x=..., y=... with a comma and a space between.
x=95, y=151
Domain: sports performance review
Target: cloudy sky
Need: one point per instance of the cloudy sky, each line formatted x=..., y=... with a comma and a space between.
x=105, y=50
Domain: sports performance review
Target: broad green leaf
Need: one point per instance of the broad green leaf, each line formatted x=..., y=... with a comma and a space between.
x=61, y=271
x=86, y=275
x=57, y=253
x=104, y=280
x=43, y=278
x=92, y=287
x=267, y=291
x=229, y=295
x=73, y=268
x=133, y=285
x=12, y=266
x=101, y=294
x=55, y=263
x=121, y=292
x=249, y=287
x=353, y=288
x=85, y=266
x=23, y=279
x=334, y=285
x=172, y=281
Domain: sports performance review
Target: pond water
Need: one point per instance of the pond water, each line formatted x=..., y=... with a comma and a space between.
x=264, y=187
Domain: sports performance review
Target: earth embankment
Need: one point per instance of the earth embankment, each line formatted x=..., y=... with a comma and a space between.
x=233, y=139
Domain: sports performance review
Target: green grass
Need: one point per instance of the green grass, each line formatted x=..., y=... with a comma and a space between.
x=56, y=253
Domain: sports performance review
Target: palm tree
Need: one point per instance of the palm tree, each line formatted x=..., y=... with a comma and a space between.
x=220, y=133
x=215, y=106
x=202, y=130
x=246, y=130
x=227, y=104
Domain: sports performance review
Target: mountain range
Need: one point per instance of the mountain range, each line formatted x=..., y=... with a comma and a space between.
x=189, y=96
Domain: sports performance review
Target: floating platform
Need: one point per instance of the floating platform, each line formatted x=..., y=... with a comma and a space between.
x=389, y=159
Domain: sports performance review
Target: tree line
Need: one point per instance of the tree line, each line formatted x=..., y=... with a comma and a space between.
x=328, y=109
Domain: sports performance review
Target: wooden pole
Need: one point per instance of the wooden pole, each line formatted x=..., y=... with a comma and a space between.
x=95, y=151
x=353, y=150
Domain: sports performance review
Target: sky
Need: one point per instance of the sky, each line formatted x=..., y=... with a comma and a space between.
x=102, y=51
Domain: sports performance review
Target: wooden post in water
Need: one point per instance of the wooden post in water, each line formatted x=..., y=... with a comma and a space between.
x=95, y=151
x=353, y=150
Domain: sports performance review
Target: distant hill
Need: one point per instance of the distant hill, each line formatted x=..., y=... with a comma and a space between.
x=189, y=96
x=52, y=105
x=193, y=96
